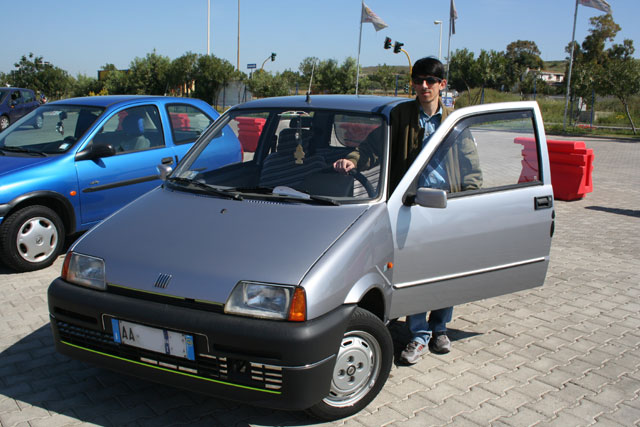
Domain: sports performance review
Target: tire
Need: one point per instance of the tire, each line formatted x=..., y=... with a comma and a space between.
x=362, y=367
x=4, y=122
x=31, y=238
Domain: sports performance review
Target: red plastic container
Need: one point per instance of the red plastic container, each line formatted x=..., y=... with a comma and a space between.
x=571, y=164
x=249, y=130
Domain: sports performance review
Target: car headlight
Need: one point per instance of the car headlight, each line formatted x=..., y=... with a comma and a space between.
x=267, y=301
x=84, y=270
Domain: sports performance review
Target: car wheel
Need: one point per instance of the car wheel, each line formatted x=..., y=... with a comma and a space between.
x=31, y=238
x=39, y=121
x=362, y=367
x=4, y=122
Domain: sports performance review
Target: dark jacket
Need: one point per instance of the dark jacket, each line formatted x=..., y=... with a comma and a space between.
x=461, y=162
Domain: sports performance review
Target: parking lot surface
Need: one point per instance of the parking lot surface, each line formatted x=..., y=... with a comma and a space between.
x=564, y=354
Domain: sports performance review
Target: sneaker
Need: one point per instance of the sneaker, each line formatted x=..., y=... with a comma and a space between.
x=440, y=344
x=413, y=352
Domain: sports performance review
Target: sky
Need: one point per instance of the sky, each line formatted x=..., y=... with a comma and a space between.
x=80, y=36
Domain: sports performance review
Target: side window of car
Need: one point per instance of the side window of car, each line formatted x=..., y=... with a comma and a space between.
x=487, y=152
x=27, y=96
x=16, y=98
x=187, y=122
x=131, y=130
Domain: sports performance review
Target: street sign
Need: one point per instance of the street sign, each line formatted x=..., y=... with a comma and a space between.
x=251, y=66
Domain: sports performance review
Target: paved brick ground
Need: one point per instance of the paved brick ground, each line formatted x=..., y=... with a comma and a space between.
x=564, y=354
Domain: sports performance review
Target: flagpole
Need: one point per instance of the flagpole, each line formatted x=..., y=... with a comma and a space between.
x=573, y=42
x=359, y=43
x=449, y=49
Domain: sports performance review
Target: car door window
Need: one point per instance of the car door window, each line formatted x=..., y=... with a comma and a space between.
x=131, y=130
x=27, y=96
x=187, y=122
x=485, y=153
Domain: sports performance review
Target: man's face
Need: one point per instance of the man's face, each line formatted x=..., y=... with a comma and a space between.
x=428, y=87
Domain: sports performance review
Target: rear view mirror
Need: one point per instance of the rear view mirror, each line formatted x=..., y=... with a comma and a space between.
x=164, y=171
x=431, y=198
x=96, y=152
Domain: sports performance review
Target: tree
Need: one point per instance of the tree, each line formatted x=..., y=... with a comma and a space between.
x=263, y=84
x=621, y=75
x=385, y=76
x=34, y=73
x=520, y=56
x=182, y=72
x=211, y=75
x=462, y=75
x=148, y=75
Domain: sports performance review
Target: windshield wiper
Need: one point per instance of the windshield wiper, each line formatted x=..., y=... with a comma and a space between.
x=24, y=150
x=283, y=193
x=210, y=189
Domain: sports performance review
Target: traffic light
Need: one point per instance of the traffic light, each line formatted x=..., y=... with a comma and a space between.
x=387, y=42
x=273, y=56
x=406, y=88
x=397, y=47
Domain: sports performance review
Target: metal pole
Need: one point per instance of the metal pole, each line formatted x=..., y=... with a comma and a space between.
x=359, y=43
x=449, y=51
x=208, y=26
x=440, y=43
x=238, y=64
x=573, y=39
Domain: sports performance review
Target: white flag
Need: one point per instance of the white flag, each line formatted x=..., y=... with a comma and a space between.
x=597, y=4
x=453, y=15
x=369, y=16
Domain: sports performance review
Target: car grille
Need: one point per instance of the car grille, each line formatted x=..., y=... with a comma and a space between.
x=208, y=366
x=164, y=299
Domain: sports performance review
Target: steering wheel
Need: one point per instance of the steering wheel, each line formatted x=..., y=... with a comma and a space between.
x=364, y=181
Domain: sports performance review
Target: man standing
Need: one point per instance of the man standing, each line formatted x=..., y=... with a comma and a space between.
x=412, y=124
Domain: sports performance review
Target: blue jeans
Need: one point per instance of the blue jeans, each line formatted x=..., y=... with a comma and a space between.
x=421, y=329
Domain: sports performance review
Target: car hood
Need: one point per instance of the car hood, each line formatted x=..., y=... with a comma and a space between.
x=11, y=163
x=208, y=244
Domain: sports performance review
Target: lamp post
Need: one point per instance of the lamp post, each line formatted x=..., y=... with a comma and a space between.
x=440, y=43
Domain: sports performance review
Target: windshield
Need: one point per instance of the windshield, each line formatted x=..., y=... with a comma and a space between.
x=290, y=154
x=49, y=129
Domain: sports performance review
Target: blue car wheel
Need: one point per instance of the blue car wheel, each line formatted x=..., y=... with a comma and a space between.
x=31, y=238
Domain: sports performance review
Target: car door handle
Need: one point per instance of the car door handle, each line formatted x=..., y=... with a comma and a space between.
x=543, y=202
x=167, y=161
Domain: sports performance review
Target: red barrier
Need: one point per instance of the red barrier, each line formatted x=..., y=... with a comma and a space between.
x=571, y=169
x=249, y=130
x=571, y=164
x=180, y=121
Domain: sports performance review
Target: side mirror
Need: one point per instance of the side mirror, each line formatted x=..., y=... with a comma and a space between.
x=431, y=198
x=96, y=152
x=164, y=171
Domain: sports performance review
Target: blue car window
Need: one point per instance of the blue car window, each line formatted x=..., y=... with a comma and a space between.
x=187, y=122
x=133, y=129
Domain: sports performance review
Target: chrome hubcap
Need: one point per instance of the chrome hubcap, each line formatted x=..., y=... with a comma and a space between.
x=37, y=239
x=357, y=367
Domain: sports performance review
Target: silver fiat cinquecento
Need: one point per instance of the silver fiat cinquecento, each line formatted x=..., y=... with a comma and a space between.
x=271, y=280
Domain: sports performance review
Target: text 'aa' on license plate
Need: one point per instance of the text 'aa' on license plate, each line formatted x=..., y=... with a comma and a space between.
x=154, y=339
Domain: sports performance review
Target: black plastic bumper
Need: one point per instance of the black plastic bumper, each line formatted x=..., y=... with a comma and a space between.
x=284, y=365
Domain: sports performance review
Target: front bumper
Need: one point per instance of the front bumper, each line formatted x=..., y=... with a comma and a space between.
x=284, y=365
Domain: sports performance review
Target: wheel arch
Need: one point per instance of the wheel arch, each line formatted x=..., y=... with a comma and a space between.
x=54, y=201
x=371, y=294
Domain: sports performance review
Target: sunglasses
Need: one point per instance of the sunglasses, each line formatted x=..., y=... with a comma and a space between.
x=430, y=80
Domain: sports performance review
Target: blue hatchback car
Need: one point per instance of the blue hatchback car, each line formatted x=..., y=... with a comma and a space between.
x=90, y=157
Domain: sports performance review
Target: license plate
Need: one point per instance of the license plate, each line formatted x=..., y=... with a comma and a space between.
x=153, y=339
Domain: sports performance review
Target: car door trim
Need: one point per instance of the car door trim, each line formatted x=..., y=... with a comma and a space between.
x=468, y=273
x=120, y=184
